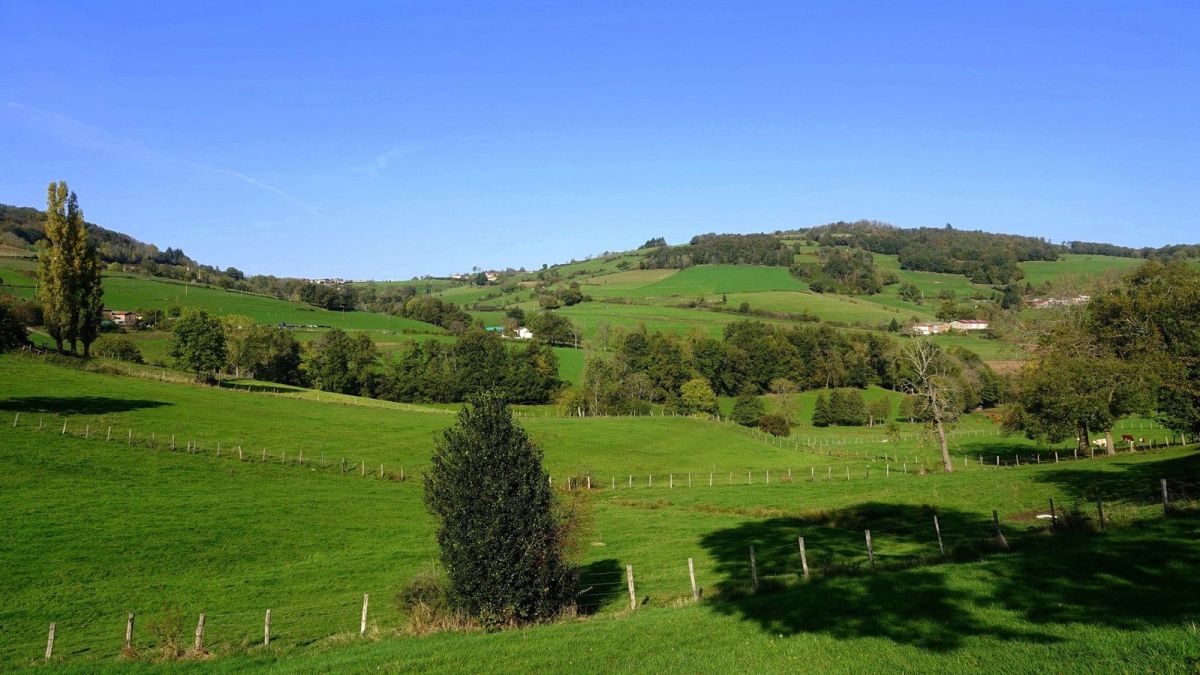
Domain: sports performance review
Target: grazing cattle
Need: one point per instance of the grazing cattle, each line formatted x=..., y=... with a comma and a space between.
x=1100, y=443
x=1126, y=438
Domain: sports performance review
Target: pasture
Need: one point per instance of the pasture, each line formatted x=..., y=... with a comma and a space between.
x=97, y=528
x=1070, y=265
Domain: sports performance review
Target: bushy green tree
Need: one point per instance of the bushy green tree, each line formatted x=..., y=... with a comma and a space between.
x=501, y=543
x=775, y=425
x=821, y=416
x=696, y=396
x=879, y=410
x=748, y=409
x=198, y=343
x=847, y=408
x=117, y=347
x=909, y=291
x=1152, y=320
x=343, y=363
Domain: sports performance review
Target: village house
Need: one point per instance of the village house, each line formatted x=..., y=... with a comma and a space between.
x=121, y=317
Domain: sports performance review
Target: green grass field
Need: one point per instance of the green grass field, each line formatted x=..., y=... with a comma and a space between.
x=706, y=280
x=98, y=528
x=1079, y=266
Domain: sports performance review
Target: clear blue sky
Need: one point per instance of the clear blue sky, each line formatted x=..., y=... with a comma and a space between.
x=392, y=139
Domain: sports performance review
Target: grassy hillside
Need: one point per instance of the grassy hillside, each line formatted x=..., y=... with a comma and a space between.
x=96, y=529
x=1038, y=272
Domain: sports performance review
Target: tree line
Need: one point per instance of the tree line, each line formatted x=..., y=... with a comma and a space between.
x=711, y=249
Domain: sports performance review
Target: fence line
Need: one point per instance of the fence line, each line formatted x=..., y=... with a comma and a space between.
x=884, y=467
x=599, y=590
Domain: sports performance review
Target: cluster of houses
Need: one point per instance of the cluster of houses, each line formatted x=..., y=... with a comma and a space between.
x=1041, y=303
x=937, y=328
x=491, y=276
x=522, y=333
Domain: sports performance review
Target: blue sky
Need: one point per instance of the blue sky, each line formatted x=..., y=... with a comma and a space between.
x=386, y=140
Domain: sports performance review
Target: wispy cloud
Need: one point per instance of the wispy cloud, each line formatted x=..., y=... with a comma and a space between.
x=79, y=134
x=385, y=159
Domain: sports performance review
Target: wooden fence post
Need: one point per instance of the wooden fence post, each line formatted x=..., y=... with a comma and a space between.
x=108, y=436
x=362, y=622
x=64, y=431
x=1053, y=517
x=129, y=439
x=129, y=633
x=938, y=529
x=753, y=568
x=15, y=418
x=1165, y=499
x=999, y=535
x=1056, y=457
x=199, y=644
x=632, y=593
x=870, y=550
x=50, y=640
x=803, y=558
x=692, y=574
x=267, y=629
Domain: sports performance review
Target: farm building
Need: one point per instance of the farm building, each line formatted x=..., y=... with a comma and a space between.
x=929, y=328
x=968, y=324
x=121, y=317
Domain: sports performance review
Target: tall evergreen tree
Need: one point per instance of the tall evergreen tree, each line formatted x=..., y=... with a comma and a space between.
x=501, y=544
x=68, y=273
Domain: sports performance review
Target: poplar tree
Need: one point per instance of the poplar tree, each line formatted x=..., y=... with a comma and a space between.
x=69, y=273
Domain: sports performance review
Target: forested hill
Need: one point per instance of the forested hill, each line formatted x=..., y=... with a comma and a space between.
x=24, y=227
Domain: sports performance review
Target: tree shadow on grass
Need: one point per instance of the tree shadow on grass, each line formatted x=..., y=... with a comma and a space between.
x=600, y=583
x=1123, y=478
x=904, y=599
x=76, y=405
x=1108, y=579
x=1128, y=578
x=1008, y=450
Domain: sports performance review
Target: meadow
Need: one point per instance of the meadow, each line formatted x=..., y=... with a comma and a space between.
x=97, y=528
x=1072, y=265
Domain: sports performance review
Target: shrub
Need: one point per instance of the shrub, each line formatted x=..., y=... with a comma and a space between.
x=1075, y=520
x=776, y=425
x=502, y=546
x=117, y=347
x=12, y=331
x=425, y=600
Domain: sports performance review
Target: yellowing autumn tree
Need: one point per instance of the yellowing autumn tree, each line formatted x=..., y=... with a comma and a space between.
x=69, y=274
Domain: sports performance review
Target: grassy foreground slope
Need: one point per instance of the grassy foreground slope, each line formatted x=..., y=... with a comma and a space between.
x=95, y=529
